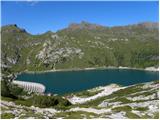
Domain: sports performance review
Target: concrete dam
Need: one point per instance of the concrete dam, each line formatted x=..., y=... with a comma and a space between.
x=31, y=86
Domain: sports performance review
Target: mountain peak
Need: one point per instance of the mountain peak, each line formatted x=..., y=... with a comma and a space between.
x=13, y=28
x=84, y=25
x=150, y=25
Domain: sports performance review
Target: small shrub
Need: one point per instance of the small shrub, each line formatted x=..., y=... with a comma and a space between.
x=7, y=116
x=48, y=101
x=132, y=115
x=4, y=89
x=122, y=108
x=141, y=108
x=11, y=90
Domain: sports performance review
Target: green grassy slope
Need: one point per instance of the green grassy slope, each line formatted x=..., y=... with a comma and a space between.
x=80, y=46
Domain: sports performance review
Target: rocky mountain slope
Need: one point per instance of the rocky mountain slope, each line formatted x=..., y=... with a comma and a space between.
x=113, y=101
x=80, y=46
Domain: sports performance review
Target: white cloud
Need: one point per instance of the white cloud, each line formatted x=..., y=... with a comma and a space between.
x=32, y=2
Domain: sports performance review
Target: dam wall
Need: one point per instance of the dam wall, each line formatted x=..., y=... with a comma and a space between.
x=31, y=86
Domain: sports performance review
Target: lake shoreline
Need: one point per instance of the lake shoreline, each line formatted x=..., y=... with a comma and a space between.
x=150, y=69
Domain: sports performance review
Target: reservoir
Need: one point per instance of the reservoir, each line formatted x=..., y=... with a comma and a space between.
x=74, y=81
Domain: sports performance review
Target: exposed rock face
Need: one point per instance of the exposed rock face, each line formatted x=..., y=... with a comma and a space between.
x=142, y=102
x=48, y=55
x=139, y=101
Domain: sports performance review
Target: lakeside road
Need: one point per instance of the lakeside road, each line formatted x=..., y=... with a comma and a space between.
x=151, y=69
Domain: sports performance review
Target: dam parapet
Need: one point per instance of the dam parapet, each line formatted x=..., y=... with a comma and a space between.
x=31, y=86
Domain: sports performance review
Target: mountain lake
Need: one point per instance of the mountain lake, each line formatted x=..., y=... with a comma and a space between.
x=74, y=81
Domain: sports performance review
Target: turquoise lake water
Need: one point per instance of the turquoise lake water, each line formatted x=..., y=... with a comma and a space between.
x=73, y=81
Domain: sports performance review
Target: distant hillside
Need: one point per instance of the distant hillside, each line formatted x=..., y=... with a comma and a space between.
x=79, y=46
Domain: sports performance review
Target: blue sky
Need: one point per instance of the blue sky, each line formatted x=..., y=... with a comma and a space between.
x=39, y=17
